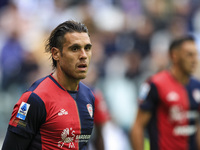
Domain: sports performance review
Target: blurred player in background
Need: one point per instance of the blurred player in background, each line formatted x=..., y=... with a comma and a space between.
x=56, y=112
x=170, y=103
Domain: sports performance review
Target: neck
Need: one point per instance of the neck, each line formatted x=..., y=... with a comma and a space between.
x=179, y=75
x=68, y=83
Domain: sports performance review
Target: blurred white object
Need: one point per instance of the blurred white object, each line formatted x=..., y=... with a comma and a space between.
x=109, y=19
x=114, y=137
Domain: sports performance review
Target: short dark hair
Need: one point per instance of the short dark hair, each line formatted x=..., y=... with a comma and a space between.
x=57, y=39
x=179, y=41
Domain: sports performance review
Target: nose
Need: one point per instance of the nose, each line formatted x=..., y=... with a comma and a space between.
x=83, y=54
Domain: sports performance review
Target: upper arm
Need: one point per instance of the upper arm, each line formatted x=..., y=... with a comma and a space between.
x=148, y=97
x=28, y=115
x=142, y=118
x=148, y=100
x=198, y=135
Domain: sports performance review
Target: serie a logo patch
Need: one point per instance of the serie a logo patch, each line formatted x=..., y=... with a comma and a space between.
x=23, y=110
x=144, y=91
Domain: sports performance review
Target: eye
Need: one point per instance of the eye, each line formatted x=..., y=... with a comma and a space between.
x=88, y=47
x=75, y=48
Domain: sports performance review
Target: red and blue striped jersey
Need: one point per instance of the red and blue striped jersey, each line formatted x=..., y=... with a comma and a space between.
x=48, y=115
x=175, y=112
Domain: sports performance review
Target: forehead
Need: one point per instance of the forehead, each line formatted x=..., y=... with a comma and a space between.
x=189, y=46
x=77, y=38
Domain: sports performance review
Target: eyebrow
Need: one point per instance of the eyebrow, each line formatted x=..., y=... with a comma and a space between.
x=78, y=45
x=74, y=45
x=90, y=45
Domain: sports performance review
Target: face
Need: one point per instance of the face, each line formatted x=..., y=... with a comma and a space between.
x=187, y=57
x=74, y=60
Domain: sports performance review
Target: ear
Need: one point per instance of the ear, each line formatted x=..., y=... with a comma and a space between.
x=175, y=56
x=55, y=53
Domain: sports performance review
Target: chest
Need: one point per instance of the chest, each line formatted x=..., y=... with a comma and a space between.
x=68, y=121
x=179, y=103
x=175, y=94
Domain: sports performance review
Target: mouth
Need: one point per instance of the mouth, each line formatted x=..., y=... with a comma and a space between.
x=82, y=67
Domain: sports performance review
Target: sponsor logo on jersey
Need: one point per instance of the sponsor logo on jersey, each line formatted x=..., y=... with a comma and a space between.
x=172, y=96
x=144, y=91
x=90, y=110
x=19, y=122
x=186, y=130
x=177, y=114
x=69, y=137
x=196, y=95
x=63, y=112
x=23, y=110
x=180, y=115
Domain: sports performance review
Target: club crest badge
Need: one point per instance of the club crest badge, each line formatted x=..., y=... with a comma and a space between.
x=23, y=110
x=90, y=110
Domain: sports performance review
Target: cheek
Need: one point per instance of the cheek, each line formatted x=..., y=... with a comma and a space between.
x=67, y=62
x=89, y=56
x=186, y=63
x=181, y=62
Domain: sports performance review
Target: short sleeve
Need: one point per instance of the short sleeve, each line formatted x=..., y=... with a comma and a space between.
x=28, y=115
x=148, y=97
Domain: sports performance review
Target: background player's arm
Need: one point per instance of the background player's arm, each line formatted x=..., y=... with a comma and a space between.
x=198, y=136
x=148, y=102
x=137, y=131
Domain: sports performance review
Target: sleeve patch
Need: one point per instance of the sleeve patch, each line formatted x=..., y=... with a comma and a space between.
x=23, y=110
x=144, y=91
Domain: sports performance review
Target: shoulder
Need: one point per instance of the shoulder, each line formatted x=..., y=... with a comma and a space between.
x=45, y=87
x=84, y=89
x=160, y=76
x=194, y=82
x=37, y=91
x=36, y=84
x=31, y=98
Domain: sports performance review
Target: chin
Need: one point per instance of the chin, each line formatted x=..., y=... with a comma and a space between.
x=190, y=73
x=81, y=77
